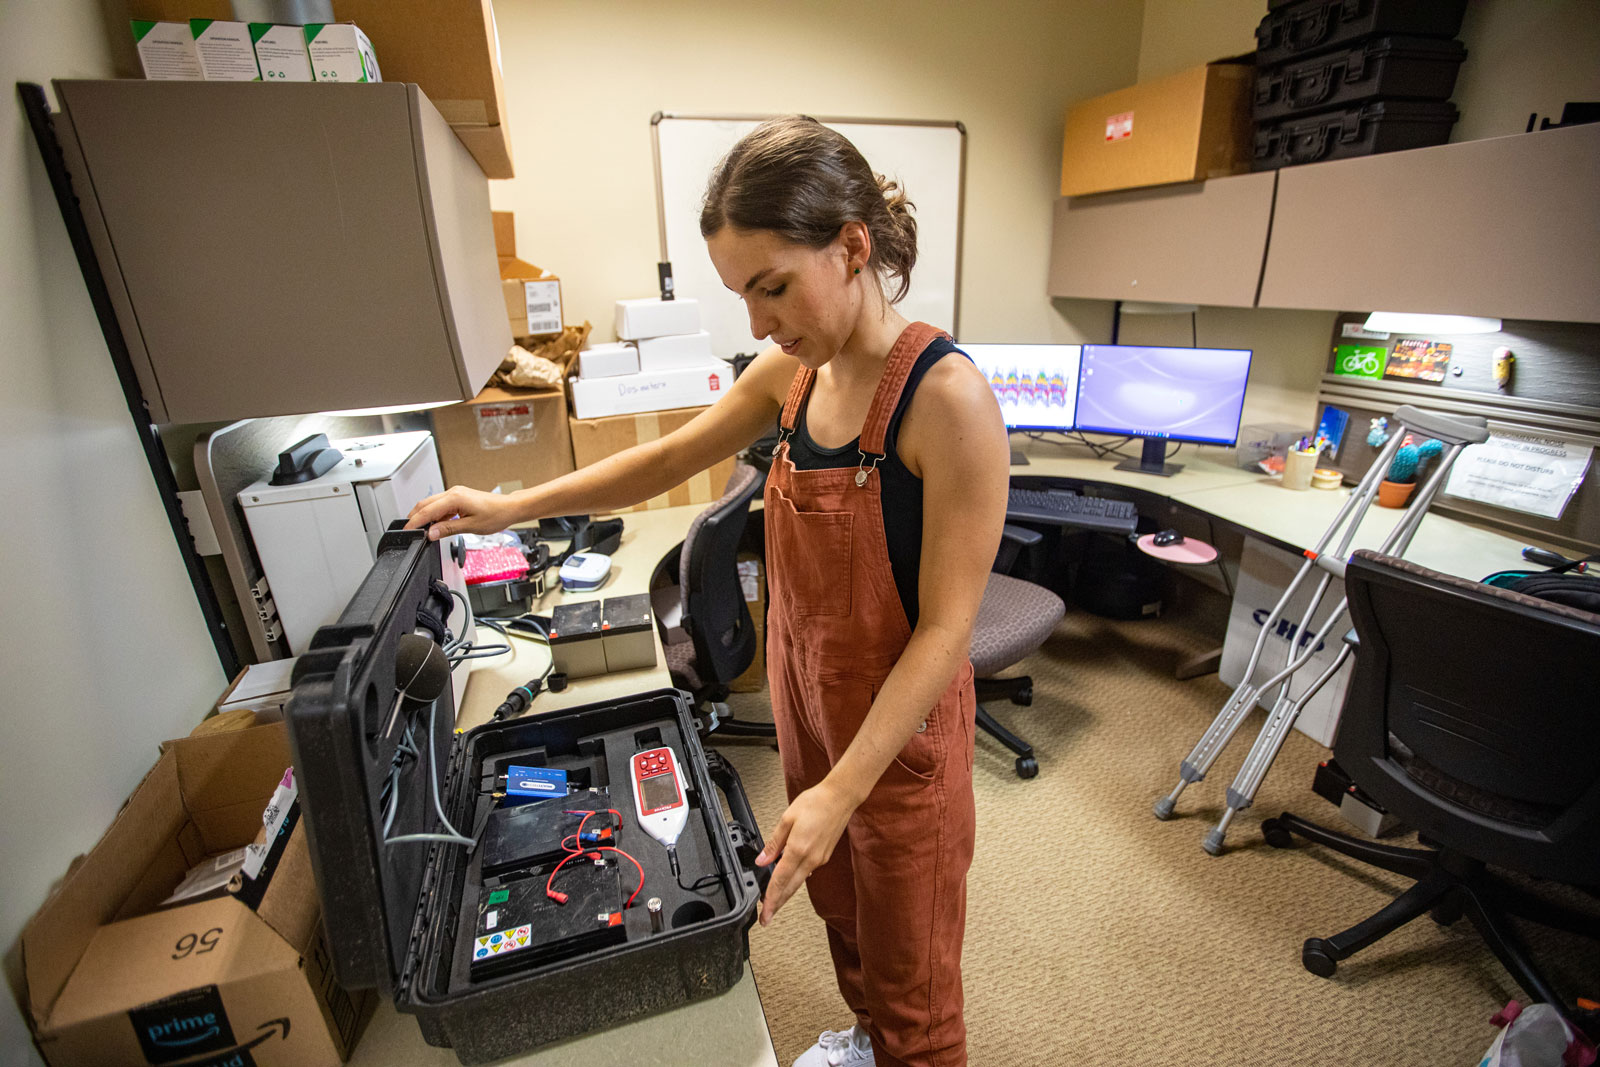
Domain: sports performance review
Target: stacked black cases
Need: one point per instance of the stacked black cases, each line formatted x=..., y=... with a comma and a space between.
x=1342, y=78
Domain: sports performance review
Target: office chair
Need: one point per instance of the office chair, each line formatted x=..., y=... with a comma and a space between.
x=722, y=637
x=1014, y=619
x=1470, y=716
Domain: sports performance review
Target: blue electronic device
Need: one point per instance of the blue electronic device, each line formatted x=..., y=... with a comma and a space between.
x=536, y=782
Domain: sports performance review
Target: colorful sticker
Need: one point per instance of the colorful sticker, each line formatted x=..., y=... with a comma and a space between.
x=503, y=942
x=1119, y=127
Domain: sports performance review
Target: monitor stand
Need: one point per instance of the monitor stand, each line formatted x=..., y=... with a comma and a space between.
x=1152, y=460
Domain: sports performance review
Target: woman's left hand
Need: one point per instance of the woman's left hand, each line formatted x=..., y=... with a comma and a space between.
x=803, y=841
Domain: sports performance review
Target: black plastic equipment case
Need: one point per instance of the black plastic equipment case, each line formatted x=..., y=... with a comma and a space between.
x=1362, y=130
x=395, y=914
x=1396, y=67
x=1306, y=27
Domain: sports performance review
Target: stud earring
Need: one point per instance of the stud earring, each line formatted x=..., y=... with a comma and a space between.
x=858, y=270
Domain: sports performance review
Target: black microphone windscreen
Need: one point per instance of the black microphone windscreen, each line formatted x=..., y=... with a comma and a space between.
x=421, y=670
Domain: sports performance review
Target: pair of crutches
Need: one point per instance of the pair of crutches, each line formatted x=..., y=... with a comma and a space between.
x=1455, y=433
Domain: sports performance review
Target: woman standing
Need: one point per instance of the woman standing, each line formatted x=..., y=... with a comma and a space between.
x=883, y=513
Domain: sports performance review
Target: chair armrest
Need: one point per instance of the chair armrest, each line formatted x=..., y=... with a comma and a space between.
x=1013, y=539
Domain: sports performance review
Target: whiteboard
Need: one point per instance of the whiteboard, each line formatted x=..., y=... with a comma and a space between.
x=928, y=159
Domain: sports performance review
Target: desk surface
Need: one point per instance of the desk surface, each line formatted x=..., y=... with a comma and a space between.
x=732, y=1023
x=1262, y=506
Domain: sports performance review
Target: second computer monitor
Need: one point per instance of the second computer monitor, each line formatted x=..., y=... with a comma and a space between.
x=1036, y=385
x=1162, y=394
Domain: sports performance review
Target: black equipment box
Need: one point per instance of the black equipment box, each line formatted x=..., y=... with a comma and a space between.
x=1362, y=130
x=1306, y=27
x=1394, y=67
x=409, y=916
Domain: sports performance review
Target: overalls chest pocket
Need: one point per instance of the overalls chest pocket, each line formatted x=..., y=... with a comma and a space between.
x=813, y=567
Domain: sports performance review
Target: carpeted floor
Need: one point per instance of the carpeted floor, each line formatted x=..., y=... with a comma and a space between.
x=1098, y=935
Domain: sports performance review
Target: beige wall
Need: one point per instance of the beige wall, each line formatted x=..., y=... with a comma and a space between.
x=102, y=647
x=583, y=80
x=1524, y=57
x=1178, y=34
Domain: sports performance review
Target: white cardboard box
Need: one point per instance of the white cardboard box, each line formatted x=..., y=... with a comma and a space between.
x=630, y=394
x=166, y=50
x=281, y=52
x=608, y=361
x=653, y=317
x=1264, y=573
x=675, y=350
x=340, y=52
x=225, y=50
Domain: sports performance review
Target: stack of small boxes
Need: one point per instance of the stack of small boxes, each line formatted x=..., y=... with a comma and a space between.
x=1336, y=80
x=662, y=360
x=219, y=50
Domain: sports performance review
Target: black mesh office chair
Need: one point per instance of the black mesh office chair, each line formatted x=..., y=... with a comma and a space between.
x=722, y=637
x=1471, y=715
x=1014, y=619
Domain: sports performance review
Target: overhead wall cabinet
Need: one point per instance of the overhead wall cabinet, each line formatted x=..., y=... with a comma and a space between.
x=1506, y=227
x=1195, y=243
x=287, y=248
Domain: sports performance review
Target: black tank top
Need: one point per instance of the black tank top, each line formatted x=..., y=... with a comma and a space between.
x=902, y=490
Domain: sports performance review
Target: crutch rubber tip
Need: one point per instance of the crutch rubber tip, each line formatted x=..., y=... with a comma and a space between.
x=1213, y=843
x=1164, y=807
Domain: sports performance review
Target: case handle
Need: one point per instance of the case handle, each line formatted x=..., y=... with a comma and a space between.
x=1308, y=89
x=1306, y=32
x=727, y=780
x=1320, y=144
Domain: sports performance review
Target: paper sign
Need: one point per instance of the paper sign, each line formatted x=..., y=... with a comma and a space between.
x=1119, y=127
x=1355, y=329
x=1524, y=472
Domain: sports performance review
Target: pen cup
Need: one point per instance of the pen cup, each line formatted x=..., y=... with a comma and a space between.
x=1297, y=468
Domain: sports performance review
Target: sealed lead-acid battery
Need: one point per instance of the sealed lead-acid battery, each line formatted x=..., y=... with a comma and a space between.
x=493, y=918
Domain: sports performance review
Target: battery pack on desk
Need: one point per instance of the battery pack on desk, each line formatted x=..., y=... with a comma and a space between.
x=519, y=926
x=535, y=782
x=530, y=834
x=627, y=625
x=577, y=645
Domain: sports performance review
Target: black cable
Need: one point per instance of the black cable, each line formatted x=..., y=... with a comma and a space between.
x=1194, y=328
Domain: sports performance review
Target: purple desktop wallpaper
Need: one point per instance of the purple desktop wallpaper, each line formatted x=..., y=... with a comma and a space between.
x=1185, y=393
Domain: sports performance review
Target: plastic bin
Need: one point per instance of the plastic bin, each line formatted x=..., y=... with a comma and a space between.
x=1361, y=130
x=1307, y=27
x=1394, y=67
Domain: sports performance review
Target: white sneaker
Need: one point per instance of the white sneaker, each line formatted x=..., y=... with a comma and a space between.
x=834, y=1048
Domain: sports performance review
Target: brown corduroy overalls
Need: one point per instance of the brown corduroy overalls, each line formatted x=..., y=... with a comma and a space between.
x=894, y=893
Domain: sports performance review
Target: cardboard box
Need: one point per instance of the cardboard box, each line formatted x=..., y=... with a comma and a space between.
x=111, y=979
x=753, y=579
x=225, y=51
x=505, y=234
x=675, y=350
x=281, y=52
x=1187, y=127
x=595, y=439
x=166, y=50
x=451, y=49
x=533, y=299
x=608, y=361
x=340, y=52
x=630, y=394
x=652, y=316
x=508, y=439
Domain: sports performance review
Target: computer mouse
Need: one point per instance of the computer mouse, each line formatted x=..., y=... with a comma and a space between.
x=1167, y=537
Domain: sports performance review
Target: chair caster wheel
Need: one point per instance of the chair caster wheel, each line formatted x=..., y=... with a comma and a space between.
x=1317, y=959
x=1027, y=767
x=1276, y=835
x=1023, y=698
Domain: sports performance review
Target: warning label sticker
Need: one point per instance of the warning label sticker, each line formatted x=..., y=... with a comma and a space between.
x=503, y=942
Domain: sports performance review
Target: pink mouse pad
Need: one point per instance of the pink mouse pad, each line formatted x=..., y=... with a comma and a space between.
x=1188, y=551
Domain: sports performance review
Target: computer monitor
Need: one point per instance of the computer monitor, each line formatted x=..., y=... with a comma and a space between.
x=1161, y=395
x=1037, y=385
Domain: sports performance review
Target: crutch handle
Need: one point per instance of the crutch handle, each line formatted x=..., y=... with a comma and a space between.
x=1451, y=429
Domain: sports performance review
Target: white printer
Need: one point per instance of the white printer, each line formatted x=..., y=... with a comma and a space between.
x=317, y=534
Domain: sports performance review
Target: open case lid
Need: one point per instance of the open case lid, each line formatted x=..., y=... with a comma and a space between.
x=346, y=726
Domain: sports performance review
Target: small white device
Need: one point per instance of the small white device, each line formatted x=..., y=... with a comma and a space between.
x=658, y=798
x=585, y=571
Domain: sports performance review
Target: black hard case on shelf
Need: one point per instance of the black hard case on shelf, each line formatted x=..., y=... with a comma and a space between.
x=1395, y=68
x=1306, y=27
x=1362, y=130
x=394, y=914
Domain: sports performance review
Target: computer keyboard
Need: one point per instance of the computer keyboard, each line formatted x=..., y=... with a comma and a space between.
x=1062, y=507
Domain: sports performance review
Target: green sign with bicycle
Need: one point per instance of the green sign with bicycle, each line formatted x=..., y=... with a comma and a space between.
x=1359, y=361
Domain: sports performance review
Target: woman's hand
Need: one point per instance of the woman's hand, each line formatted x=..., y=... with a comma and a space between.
x=462, y=510
x=803, y=841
